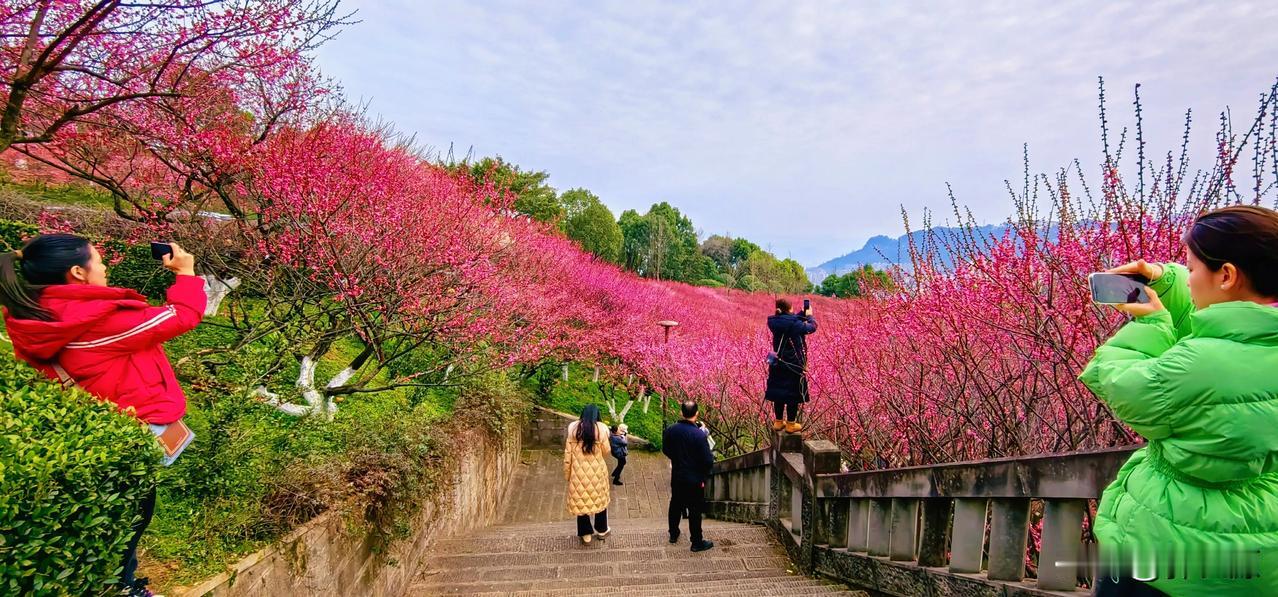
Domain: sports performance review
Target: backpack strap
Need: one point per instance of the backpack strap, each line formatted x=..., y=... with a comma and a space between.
x=65, y=378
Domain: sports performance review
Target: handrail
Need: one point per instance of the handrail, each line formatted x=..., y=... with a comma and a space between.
x=1077, y=475
x=895, y=530
x=755, y=459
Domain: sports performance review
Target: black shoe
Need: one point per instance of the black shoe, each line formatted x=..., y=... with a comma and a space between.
x=617, y=482
x=136, y=590
x=704, y=545
x=674, y=537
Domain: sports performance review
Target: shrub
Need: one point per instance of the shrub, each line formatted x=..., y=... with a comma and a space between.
x=136, y=269
x=73, y=470
x=15, y=234
x=493, y=400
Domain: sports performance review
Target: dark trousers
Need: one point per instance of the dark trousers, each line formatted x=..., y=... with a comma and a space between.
x=788, y=411
x=147, y=508
x=583, y=524
x=692, y=499
x=621, y=463
x=1124, y=587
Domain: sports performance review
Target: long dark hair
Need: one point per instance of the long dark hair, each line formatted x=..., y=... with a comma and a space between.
x=1244, y=235
x=588, y=428
x=43, y=261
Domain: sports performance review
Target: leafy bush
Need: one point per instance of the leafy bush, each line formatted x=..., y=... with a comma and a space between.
x=136, y=269
x=544, y=381
x=392, y=464
x=494, y=400
x=72, y=473
x=15, y=234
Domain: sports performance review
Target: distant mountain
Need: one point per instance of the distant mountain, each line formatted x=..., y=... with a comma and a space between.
x=881, y=252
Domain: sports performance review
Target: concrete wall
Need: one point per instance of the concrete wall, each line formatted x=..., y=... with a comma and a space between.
x=548, y=429
x=322, y=558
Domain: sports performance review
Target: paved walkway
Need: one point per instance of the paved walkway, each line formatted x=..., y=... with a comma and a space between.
x=540, y=488
x=534, y=552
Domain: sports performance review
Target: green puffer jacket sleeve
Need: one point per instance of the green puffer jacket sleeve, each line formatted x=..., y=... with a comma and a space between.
x=1173, y=290
x=1129, y=371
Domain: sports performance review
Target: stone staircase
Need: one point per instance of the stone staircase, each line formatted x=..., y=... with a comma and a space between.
x=544, y=559
x=535, y=553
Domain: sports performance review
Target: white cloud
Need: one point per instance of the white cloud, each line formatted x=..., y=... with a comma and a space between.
x=735, y=112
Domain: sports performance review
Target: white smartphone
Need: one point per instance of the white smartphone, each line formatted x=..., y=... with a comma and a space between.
x=1118, y=289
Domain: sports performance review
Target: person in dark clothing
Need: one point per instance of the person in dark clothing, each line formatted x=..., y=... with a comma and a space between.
x=787, y=365
x=620, y=449
x=688, y=449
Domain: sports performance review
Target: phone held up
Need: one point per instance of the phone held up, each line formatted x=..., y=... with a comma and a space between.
x=159, y=250
x=807, y=305
x=1118, y=289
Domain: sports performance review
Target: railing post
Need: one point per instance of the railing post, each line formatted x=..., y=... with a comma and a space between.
x=820, y=457
x=936, y=531
x=1009, y=529
x=835, y=514
x=778, y=504
x=905, y=524
x=1061, y=540
x=880, y=526
x=968, y=539
x=858, y=525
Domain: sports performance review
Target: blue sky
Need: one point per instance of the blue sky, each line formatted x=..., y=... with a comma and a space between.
x=803, y=126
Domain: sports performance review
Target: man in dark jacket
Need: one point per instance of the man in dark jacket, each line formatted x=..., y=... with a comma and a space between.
x=787, y=367
x=688, y=449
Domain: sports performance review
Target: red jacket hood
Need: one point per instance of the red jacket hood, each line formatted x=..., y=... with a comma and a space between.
x=76, y=308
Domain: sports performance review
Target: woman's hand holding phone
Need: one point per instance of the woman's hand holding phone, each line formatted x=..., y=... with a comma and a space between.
x=180, y=262
x=1152, y=272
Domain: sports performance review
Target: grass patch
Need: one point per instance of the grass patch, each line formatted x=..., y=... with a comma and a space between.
x=71, y=194
x=254, y=473
x=573, y=395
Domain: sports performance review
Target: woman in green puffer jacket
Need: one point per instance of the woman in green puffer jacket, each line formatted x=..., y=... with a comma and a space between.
x=1196, y=374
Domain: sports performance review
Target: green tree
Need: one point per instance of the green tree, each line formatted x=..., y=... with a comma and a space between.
x=854, y=283
x=575, y=201
x=742, y=249
x=718, y=248
x=661, y=244
x=597, y=232
x=635, y=241
x=673, y=244
x=532, y=195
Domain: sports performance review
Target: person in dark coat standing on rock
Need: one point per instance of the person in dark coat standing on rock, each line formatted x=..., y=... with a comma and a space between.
x=787, y=365
x=691, y=461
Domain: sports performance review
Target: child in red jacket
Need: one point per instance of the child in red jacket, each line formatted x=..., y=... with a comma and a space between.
x=64, y=320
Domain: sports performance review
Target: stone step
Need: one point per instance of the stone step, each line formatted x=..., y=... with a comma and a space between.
x=651, y=579
x=596, y=555
x=556, y=540
x=569, y=529
x=603, y=568
x=777, y=586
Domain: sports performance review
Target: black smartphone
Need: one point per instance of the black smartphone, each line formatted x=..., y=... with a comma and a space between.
x=159, y=250
x=807, y=305
x=1118, y=289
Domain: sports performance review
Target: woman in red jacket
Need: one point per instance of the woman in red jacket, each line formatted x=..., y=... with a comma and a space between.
x=64, y=320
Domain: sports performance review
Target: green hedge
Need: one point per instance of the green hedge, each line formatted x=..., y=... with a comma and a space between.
x=15, y=234
x=138, y=270
x=135, y=269
x=72, y=473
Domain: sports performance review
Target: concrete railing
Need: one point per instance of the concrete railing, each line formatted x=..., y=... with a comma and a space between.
x=547, y=429
x=921, y=530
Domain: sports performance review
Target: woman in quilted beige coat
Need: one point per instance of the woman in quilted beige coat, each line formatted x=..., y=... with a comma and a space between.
x=586, y=471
